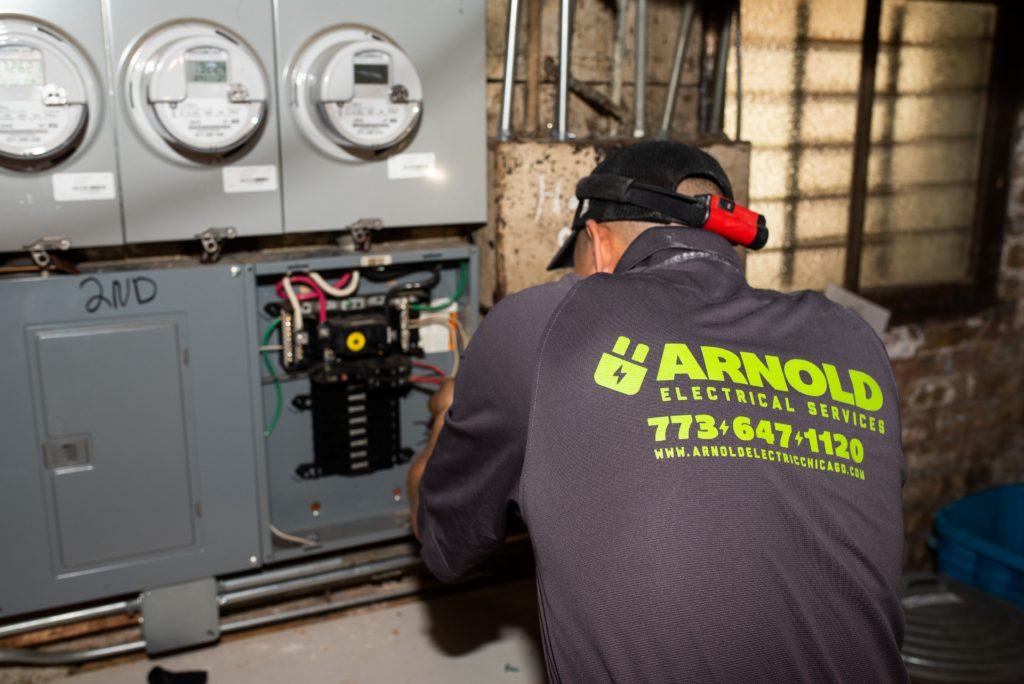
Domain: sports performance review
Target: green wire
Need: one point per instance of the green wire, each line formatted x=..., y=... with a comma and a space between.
x=463, y=279
x=273, y=376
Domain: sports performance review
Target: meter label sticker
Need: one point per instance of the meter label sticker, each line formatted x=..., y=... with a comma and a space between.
x=250, y=178
x=420, y=165
x=77, y=187
x=371, y=260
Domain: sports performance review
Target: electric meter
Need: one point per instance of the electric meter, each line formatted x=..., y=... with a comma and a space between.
x=196, y=92
x=355, y=94
x=46, y=85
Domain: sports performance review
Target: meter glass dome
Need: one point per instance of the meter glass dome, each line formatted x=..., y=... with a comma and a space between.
x=357, y=94
x=202, y=93
x=45, y=87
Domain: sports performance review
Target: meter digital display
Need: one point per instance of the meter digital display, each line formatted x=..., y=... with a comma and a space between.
x=371, y=73
x=206, y=71
x=21, y=67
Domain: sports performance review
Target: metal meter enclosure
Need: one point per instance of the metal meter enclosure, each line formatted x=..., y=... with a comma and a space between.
x=197, y=141
x=56, y=129
x=383, y=112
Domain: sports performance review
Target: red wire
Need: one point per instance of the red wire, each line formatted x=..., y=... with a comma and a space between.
x=316, y=293
x=426, y=379
x=429, y=367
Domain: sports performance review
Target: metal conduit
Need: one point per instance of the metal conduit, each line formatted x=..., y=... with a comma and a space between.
x=310, y=611
x=227, y=586
x=640, y=78
x=717, y=117
x=300, y=584
x=564, y=41
x=28, y=656
x=233, y=592
x=69, y=617
x=512, y=38
x=685, y=24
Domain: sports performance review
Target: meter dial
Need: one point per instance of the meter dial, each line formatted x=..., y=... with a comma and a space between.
x=196, y=92
x=46, y=85
x=355, y=94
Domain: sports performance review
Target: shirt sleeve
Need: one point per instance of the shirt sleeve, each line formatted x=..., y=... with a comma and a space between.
x=473, y=474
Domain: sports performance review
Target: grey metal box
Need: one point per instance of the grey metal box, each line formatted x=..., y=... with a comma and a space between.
x=176, y=200
x=338, y=511
x=128, y=433
x=445, y=41
x=28, y=204
x=180, y=616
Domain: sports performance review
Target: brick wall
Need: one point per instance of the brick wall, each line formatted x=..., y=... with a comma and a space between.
x=962, y=391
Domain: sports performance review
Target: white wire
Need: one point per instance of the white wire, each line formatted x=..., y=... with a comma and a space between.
x=292, y=537
x=454, y=327
x=348, y=290
x=289, y=292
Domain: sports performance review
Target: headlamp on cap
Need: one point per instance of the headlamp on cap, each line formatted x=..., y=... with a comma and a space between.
x=721, y=215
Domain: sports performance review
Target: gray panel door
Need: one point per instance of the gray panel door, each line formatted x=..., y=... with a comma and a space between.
x=113, y=403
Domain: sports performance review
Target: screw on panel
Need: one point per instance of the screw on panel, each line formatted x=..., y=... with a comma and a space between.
x=253, y=560
x=235, y=270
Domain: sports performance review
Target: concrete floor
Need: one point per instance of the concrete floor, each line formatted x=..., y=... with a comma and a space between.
x=483, y=635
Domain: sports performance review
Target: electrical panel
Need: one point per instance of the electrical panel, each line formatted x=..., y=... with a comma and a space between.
x=129, y=435
x=382, y=112
x=57, y=166
x=197, y=138
x=167, y=424
x=345, y=383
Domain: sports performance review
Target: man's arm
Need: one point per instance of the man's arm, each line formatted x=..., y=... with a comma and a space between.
x=461, y=486
x=439, y=404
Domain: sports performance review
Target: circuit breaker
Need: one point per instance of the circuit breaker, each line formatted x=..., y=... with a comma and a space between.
x=56, y=127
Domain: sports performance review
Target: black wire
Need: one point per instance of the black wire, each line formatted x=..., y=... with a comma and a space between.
x=382, y=274
x=424, y=286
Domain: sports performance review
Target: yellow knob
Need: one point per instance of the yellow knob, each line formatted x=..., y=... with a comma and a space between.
x=355, y=341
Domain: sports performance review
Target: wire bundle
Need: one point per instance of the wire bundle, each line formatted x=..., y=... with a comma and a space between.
x=314, y=286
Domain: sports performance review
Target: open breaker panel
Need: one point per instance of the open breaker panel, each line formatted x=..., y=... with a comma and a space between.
x=351, y=349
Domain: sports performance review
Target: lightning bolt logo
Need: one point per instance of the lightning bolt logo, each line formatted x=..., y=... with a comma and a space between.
x=799, y=438
x=621, y=371
x=620, y=374
x=724, y=428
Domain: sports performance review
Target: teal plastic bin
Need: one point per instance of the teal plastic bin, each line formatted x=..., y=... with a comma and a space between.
x=979, y=540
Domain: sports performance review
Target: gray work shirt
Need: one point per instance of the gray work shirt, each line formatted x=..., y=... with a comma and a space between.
x=710, y=473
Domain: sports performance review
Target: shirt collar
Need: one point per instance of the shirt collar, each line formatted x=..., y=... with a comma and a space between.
x=662, y=246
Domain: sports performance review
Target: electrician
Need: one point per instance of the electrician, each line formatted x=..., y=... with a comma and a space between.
x=677, y=538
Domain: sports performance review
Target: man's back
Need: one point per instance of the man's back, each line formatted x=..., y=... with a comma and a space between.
x=712, y=481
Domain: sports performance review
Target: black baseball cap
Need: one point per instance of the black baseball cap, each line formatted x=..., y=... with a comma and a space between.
x=661, y=163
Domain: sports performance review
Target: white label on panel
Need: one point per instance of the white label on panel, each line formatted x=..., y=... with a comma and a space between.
x=76, y=187
x=419, y=165
x=438, y=337
x=375, y=260
x=250, y=178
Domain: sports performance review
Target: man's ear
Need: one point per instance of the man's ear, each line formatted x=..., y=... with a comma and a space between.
x=603, y=244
